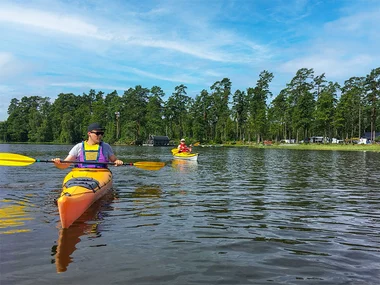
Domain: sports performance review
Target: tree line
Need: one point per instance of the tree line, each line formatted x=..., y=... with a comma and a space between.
x=309, y=105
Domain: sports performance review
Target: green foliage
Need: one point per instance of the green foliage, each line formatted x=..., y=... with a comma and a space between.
x=221, y=91
x=239, y=113
x=324, y=108
x=301, y=102
x=176, y=112
x=155, y=112
x=257, y=102
x=308, y=106
x=372, y=96
x=278, y=116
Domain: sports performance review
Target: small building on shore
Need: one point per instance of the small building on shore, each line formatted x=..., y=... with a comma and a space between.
x=157, y=141
x=321, y=139
x=337, y=141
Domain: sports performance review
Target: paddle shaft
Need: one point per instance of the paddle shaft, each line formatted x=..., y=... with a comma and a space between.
x=13, y=159
x=85, y=162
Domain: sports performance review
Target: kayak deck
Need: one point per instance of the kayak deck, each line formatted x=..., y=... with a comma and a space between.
x=80, y=189
x=191, y=156
x=184, y=155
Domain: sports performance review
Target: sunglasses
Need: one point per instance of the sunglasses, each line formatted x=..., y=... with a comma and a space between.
x=97, y=133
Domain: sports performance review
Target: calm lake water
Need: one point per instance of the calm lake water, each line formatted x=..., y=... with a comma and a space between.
x=237, y=216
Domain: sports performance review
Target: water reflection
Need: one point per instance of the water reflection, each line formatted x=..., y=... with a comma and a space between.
x=147, y=191
x=13, y=217
x=145, y=201
x=86, y=225
x=184, y=166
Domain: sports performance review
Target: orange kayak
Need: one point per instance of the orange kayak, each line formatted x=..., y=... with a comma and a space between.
x=80, y=189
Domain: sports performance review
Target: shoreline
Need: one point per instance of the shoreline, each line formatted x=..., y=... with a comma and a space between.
x=314, y=146
x=330, y=147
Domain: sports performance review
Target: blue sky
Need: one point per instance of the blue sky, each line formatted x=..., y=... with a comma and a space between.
x=53, y=46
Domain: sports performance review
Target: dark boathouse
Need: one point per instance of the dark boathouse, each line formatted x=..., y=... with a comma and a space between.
x=158, y=140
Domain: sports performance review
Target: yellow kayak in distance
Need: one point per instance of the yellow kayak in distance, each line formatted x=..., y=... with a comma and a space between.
x=80, y=189
x=184, y=155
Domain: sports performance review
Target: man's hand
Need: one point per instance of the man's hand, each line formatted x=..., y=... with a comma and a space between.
x=118, y=162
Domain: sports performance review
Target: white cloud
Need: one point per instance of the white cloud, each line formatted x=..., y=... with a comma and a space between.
x=357, y=24
x=6, y=59
x=211, y=45
x=181, y=79
x=50, y=21
x=88, y=85
x=213, y=73
x=6, y=89
x=345, y=47
x=334, y=68
x=186, y=48
x=10, y=66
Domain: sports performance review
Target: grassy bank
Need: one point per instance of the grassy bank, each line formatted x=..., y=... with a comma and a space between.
x=340, y=147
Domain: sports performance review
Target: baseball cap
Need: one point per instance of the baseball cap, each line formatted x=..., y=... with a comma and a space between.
x=95, y=126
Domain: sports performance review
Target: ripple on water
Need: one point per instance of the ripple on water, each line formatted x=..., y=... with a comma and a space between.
x=238, y=216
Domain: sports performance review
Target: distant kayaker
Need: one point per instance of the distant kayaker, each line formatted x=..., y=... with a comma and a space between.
x=91, y=150
x=182, y=147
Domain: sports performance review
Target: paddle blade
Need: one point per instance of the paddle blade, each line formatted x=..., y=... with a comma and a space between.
x=12, y=159
x=149, y=165
x=174, y=150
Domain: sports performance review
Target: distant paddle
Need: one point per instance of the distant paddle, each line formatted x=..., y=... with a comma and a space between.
x=13, y=159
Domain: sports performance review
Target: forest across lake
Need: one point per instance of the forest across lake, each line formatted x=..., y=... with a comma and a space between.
x=309, y=105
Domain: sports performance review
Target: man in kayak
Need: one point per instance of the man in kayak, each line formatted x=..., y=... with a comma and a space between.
x=93, y=150
x=182, y=147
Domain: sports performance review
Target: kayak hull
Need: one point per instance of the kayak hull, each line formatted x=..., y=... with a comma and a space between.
x=80, y=189
x=186, y=156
